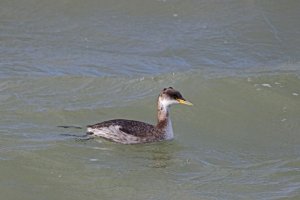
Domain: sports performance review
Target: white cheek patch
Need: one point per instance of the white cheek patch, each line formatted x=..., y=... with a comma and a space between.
x=166, y=103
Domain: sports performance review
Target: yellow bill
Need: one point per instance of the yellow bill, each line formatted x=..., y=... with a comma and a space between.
x=181, y=101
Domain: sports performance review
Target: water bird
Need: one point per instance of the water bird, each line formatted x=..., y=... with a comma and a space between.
x=133, y=132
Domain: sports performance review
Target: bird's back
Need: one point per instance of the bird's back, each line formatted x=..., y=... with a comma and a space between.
x=126, y=131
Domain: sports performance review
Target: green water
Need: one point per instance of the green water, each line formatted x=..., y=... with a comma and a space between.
x=239, y=141
x=74, y=63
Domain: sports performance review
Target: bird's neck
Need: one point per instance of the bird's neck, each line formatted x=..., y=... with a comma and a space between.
x=163, y=120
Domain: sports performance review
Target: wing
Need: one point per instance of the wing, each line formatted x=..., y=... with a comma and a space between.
x=131, y=127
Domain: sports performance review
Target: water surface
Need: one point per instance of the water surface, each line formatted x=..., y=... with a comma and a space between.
x=77, y=62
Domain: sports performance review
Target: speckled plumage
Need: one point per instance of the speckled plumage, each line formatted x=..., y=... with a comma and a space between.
x=139, y=132
x=132, y=132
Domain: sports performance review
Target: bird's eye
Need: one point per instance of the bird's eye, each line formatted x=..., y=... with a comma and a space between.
x=170, y=88
x=164, y=89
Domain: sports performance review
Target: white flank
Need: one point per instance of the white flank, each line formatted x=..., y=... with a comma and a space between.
x=114, y=133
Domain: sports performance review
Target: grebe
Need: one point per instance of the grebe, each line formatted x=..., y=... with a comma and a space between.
x=132, y=132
